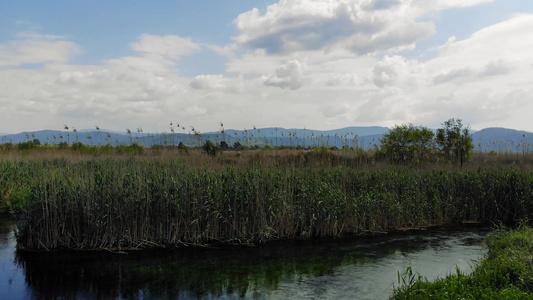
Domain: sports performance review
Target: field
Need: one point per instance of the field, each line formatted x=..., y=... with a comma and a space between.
x=133, y=198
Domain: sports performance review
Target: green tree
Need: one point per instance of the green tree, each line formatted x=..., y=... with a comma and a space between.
x=210, y=148
x=407, y=143
x=455, y=142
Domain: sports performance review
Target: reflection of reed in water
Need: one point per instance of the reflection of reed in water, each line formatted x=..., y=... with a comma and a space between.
x=172, y=274
x=6, y=230
x=197, y=273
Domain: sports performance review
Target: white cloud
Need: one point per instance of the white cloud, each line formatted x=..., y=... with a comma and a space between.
x=487, y=74
x=397, y=37
x=447, y=4
x=361, y=26
x=496, y=67
x=158, y=54
x=341, y=79
x=286, y=76
x=452, y=75
x=121, y=91
x=254, y=64
x=335, y=110
x=147, y=63
x=295, y=25
x=218, y=83
x=169, y=46
x=478, y=63
x=396, y=70
x=32, y=48
x=319, y=64
x=506, y=40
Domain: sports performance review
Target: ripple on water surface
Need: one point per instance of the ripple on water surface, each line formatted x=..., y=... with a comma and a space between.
x=362, y=268
x=12, y=280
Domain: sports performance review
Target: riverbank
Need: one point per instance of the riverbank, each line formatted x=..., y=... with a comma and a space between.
x=506, y=273
x=325, y=269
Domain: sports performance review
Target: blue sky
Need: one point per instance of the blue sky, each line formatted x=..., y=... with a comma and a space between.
x=106, y=28
x=319, y=64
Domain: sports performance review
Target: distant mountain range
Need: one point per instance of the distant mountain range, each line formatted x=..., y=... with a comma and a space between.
x=503, y=140
x=488, y=139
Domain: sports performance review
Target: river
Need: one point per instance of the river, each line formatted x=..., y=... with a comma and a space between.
x=349, y=268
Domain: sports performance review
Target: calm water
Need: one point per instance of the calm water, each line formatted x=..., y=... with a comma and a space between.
x=362, y=268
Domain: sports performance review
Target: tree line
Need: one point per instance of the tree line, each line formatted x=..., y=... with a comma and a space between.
x=409, y=143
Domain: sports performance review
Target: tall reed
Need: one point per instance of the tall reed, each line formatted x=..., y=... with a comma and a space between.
x=139, y=203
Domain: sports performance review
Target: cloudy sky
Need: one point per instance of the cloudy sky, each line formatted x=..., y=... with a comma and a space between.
x=322, y=64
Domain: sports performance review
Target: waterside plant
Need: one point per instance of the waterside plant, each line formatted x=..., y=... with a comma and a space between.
x=507, y=273
x=142, y=203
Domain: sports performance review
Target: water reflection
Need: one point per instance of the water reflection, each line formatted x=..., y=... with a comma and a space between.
x=364, y=268
x=12, y=285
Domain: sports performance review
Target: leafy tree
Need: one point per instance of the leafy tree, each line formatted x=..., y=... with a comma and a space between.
x=183, y=147
x=455, y=142
x=407, y=143
x=210, y=148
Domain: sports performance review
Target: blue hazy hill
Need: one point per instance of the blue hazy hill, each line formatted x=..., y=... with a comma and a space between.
x=489, y=139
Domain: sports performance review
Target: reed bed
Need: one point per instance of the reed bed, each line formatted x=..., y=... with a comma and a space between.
x=164, y=201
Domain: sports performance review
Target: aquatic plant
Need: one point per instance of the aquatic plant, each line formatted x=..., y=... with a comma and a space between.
x=507, y=273
x=138, y=202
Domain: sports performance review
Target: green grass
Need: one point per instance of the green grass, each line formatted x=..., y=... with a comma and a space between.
x=136, y=202
x=167, y=197
x=507, y=273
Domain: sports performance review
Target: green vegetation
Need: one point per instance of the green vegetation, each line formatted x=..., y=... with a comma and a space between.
x=507, y=273
x=78, y=196
x=242, y=198
x=407, y=144
x=210, y=148
x=455, y=142
x=86, y=197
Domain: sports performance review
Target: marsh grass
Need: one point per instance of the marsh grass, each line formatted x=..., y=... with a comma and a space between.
x=507, y=273
x=172, y=198
x=140, y=198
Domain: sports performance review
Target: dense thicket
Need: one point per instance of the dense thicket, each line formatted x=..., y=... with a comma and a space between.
x=408, y=144
x=114, y=203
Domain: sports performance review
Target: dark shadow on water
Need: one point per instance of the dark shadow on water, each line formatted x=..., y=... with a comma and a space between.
x=229, y=272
